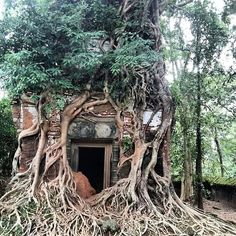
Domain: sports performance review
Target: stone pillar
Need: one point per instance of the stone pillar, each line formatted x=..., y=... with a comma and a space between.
x=16, y=115
x=29, y=114
x=114, y=163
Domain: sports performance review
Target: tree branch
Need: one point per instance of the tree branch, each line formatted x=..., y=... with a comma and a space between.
x=184, y=3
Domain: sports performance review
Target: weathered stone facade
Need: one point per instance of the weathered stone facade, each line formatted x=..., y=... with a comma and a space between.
x=95, y=131
x=94, y=128
x=91, y=129
x=24, y=114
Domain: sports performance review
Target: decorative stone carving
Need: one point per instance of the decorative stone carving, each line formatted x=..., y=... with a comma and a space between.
x=92, y=129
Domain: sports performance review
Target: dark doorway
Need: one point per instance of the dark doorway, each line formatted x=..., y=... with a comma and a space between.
x=91, y=164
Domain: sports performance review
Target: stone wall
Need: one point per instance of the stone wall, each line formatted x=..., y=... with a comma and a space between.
x=224, y=194
x=95, y=130
x=97, y=126
x=24, y=114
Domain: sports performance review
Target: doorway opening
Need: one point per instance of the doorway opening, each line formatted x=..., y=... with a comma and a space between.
x=91, y=164
x=93, y=160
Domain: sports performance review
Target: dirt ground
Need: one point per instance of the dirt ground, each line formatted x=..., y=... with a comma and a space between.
x=222, y=209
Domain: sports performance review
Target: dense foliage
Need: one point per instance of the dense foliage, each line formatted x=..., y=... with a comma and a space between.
x=8, y=139
x=194, y=57
x=57, y=45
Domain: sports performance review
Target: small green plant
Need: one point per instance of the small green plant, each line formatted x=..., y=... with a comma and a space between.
x=127, y=143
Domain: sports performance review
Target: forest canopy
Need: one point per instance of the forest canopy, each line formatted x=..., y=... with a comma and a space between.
x=60, y=45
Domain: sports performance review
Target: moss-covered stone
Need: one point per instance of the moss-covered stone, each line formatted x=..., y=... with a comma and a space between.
x=224, y=181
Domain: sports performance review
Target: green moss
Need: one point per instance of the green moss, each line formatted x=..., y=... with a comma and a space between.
x=220, y=181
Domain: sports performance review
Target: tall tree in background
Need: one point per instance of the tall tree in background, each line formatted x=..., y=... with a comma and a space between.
x=178, y=54
x=183, y=134
x=47, y=48
x=204, y=86
x=210, y=36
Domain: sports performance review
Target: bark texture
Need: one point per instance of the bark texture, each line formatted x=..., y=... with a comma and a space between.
x=219, y=151
x=187, y=176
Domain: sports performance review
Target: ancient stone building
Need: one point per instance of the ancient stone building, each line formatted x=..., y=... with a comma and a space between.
x=92, y=143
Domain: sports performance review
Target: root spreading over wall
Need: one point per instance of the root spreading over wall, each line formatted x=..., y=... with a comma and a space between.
x=143, y=203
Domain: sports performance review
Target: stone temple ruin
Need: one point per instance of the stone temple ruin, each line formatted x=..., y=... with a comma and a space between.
x=92, y=143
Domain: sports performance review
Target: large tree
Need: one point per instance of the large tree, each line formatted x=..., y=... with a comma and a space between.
x=204, y=88
x=48, y=48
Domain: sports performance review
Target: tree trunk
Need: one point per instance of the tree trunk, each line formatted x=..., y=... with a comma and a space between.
x=187, y=176
x=198, y=170
x=218, y=148
x=199, y=193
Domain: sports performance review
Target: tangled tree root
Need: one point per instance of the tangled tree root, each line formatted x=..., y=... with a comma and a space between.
x=142, y=204
x=110, y=211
